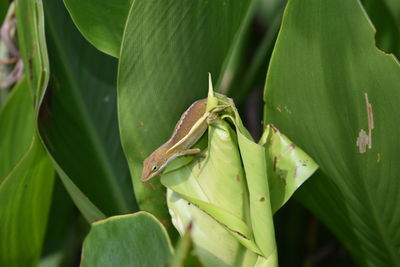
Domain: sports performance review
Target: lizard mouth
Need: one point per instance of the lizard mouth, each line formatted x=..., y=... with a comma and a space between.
x=145, y=178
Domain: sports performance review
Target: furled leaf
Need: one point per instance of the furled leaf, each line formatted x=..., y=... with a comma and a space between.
x=32, y=45
x=127, y=240
x=219, y=251
x=26, y=181
x=167, y=50
x=101, y=22
x=203, y=184
x=236, y=195
x=78, y=120
x=7, y=21
x=26, y=172
x=336, y=95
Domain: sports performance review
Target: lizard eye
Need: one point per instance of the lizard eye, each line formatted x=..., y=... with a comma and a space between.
x=154, y=168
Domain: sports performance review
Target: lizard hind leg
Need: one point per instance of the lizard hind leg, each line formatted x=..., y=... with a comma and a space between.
x=219, y=108
x=213, y=113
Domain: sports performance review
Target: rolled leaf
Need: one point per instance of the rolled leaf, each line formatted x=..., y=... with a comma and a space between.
x=232, y=189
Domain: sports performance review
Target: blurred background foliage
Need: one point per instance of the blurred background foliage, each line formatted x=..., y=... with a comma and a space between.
x=104, y=82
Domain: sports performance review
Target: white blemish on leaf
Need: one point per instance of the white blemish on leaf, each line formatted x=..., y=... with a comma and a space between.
x=362, y=141
x=287, y=109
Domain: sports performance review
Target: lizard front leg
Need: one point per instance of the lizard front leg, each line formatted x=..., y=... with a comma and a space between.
x=189, y=152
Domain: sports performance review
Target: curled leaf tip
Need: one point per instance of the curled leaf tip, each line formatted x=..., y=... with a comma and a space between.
x=210, y=86
x=212, y=101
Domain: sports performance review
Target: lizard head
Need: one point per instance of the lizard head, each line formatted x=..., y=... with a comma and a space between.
x=153, y=165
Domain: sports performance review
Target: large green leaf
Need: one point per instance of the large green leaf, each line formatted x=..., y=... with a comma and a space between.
x=78, y=120
x=127, y=240
x=167, y=50
x=333, y=92
x=101, y=22
x=26, y=181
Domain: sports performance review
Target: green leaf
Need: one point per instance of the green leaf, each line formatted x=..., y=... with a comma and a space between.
x=183, y=255
x=167, y=50
x=221, y=251
x=26, y=182
x=394, y=7
x=32, y=45
x=62, y=228
x=4, y=4
x=18, y=116
x=78, y=121
x=248, y=63
x=127, y=240
x=288, y=167
x=387, y=23
x=326, y=87
x=101, y=22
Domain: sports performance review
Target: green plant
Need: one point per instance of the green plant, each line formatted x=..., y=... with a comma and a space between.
x=104, y=83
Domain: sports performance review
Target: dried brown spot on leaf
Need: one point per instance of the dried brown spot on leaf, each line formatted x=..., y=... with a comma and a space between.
x=364, y=139
x=238, y=178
